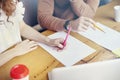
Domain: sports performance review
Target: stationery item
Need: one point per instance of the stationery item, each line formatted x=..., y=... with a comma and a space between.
x=68, y=33
x=74, y=51
x=117, y=52
x=98, y=27
x=110, y=39
x=19, y=72
x=104, y=70
x=117, y=13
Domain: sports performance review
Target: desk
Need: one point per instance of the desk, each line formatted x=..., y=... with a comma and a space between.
x=40, y=62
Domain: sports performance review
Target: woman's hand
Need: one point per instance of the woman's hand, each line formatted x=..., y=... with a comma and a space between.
x=24, y=47
x=82, y=24
x=56, y=42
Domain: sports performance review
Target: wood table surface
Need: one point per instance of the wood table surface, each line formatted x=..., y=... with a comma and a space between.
x=40, y=62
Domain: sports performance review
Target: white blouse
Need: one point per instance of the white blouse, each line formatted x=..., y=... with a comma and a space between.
x=10, y=32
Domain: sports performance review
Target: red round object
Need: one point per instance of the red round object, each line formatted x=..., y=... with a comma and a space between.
x=19, y=71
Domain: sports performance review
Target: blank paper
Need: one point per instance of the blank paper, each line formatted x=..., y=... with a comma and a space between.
x=74, y=51
x=109, y=39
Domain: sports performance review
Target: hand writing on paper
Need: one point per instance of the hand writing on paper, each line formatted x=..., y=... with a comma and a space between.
x=65, y=40
x=61, y=49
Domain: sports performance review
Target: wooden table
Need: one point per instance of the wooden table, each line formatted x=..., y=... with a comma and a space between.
x=40, y=62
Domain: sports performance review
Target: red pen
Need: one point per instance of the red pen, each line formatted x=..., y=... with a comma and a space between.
x=65, y=41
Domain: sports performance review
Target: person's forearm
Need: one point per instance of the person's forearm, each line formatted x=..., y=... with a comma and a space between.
x=82, y=8
x=46, y=18
x=30, y=33
x=51, y=22
x=6, y=56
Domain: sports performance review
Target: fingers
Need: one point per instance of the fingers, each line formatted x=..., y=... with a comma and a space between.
x=59, y=42
x=56, y=42
x=32, y=48
x=90, y=22
x=26, y=45
x=84, y=23
x=82, y=28
x=32, y=44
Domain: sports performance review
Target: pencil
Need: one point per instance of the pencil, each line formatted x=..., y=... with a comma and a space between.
x=98, y=28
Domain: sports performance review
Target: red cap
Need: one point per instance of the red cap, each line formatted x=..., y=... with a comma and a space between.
x=19, y=71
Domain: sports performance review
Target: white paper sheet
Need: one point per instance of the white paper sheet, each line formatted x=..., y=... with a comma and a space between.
x=74, y=51
x=109, y=40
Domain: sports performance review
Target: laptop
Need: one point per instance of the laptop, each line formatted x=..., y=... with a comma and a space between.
x=103, y=70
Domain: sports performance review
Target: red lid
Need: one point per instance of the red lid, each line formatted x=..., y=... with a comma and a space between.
x=19, y=71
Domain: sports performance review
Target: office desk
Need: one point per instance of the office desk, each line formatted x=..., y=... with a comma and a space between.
x=41, y=62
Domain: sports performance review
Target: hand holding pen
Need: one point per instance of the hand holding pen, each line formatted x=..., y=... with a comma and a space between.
x=66, y=38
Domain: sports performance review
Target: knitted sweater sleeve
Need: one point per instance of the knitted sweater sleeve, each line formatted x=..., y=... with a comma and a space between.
x=84, y=8
x=46, y=18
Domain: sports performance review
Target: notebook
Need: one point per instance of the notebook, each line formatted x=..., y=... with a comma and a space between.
x=104, y=70
x=74, y=51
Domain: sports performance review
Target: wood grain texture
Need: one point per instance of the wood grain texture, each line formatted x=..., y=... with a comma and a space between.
x=40, y=62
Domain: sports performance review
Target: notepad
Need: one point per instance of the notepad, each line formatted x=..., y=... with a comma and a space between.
x=109, y=39
x=74, y=51
x=104, y=70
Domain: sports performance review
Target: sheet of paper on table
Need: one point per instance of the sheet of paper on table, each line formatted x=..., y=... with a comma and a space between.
x=109, y=39
x=74, y=51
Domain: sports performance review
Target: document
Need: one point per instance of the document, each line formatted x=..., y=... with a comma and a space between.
x=74, y=51
x=109, y=39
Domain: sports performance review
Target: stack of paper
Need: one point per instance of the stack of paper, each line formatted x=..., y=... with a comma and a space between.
x=74, y=51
